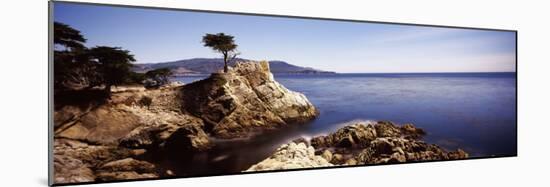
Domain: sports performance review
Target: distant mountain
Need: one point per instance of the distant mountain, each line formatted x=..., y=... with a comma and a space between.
x=201, y=66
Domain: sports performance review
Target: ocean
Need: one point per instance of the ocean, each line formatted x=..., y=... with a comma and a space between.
x=472, y=111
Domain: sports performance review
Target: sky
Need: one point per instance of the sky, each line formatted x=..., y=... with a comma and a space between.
x=155, y=35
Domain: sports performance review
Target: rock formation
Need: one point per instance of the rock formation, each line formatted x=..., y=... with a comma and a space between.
x=76, y=161
x=291, y=156
x=97, y=139
x=245, y=99
x=361, y=143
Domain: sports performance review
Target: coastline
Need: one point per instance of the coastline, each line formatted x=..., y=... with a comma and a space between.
x=123, y=137
x=361, y=143
x=118, y=138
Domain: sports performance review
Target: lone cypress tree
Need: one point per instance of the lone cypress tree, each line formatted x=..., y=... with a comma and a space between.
x=223, y=44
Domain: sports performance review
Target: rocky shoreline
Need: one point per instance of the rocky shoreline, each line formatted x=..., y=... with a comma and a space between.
x=358, y=144
x=118, y=138
x=102, y=140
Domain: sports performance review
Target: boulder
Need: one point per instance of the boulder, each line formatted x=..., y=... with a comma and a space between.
x=190, y=138
x=327, y=155
x=410, y=131
x=387, y=129
x=168, y=129
x=458, y=154
x=321, y=141
x=382, y=146
x=356, y=135
x=125, y=169
x=397, y=157
x=301, y=140
x=68, y=169
x=337, y=159
x=291, y=156
x=76, y=161
x=103, y=125
x=127, y=164
x=350, y=162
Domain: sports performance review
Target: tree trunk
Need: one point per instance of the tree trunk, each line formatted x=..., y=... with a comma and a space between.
x=225, y=63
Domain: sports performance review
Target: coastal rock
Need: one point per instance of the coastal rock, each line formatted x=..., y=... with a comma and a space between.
x=458, y=154
x=103, y=125
x=127, y=121
x=387, y=129
x=124, y=169
x=411, y=131
x=382, y=146
x=245, y=99
x=167, y=128
x=360, y=135
x=70, y=170
x=128, y=164
x=102, y=139
x=350, y=161
x=301, y=140
x=337, y=159
x=382, y=142
x=227, y=105
x=76, y=161
x=114, y=120
x=291, y=156
x=356, y=135
x=327, y=155
x=189, y=138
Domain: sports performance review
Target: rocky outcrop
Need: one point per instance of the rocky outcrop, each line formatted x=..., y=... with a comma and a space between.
x=127, y=168
x=76, y=161
x=378, y=143
x=291, y=156
x=174, y=117
x=245, y=99
x=382, y=142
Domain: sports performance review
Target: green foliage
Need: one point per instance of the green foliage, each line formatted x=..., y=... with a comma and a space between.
x=71, y=60
x=68, y=37
x=222, y=43
x=159, y=76
x=76, y=66
x=114, y=64
x=219, y=42
x=135, y=78
x=145, y=101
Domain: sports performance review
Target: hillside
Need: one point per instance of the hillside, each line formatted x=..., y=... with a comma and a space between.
x=202, y=66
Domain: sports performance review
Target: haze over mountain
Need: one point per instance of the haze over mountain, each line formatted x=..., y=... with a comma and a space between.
x=200, y=66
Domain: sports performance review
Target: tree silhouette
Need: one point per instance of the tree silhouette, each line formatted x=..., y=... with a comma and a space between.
x=114, y=65
x=68, y=37
x=136, y=78
x=223, y=44
x=160, y=76
x=69, y=55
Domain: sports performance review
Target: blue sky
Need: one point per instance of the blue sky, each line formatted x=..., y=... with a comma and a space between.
x=154, y=35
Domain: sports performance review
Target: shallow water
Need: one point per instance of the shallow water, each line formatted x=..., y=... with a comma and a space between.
x=472, y=111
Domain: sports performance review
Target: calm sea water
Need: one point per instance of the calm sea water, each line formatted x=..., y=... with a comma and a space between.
x=472, y=111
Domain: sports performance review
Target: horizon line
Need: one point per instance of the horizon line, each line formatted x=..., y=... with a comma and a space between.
x=419, y=72
x=427, y=72
x=291, y=73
